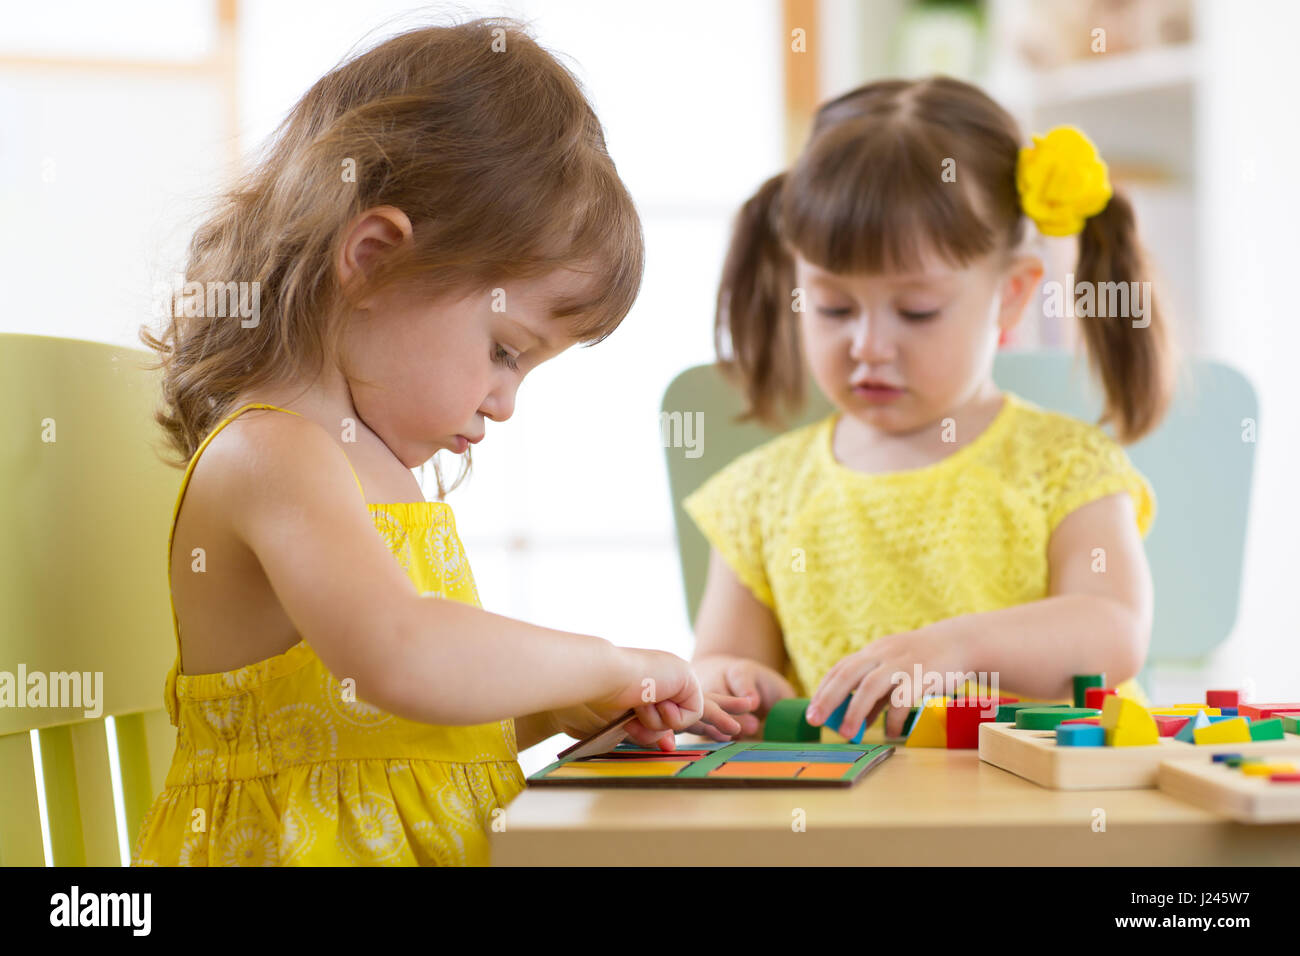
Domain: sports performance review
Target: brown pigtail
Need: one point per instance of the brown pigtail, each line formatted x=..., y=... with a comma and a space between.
x=756, y=337
x=1136, y=364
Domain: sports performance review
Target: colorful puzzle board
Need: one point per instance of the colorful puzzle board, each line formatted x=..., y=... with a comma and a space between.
x=1217, y=786
x=1034, y=755
x=742, y=763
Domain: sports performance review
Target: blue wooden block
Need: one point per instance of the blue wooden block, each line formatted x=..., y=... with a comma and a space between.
x=1215, y=718
x=837, y=718
x=1219, y=758
x=1228, y=711
x=1187, y=731
x=766, y=756
x=827, y=756
x=1080, y=735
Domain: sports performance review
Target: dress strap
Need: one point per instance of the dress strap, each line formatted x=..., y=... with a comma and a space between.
x=170, y=692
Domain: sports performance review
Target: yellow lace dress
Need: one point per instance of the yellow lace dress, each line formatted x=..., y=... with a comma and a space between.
x=843, y=557
x=276, y=765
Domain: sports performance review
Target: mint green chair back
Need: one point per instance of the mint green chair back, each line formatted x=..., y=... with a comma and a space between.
x=85, y=510
x=1199, y=461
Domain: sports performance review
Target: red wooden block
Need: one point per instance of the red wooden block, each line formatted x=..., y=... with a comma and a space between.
x=1082, y=720
x=1284, y=777
x=1168, y=724
x=1223, y=698
x=964, y=718
x=1264, y=711
x=1092, y=696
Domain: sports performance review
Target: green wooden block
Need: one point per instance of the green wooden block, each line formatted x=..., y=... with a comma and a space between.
x=1007, y=712
x=1046, y=718
x=1270, y=729
x=1290, y=724
x=1082, y=682
x=787, y=723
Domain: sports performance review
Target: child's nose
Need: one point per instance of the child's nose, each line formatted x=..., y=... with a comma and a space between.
x=500, y=405
x=872, y=342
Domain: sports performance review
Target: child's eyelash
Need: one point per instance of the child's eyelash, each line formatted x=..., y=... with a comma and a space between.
x=502, y=357
x=913, y=316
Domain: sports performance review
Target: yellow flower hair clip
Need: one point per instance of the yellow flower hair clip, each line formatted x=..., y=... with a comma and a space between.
x=1062, y=181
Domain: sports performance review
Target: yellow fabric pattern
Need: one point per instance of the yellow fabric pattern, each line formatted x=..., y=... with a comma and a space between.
x=287, y=770
x=842, y=557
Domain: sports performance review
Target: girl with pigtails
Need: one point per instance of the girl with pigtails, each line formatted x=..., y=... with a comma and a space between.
x=932, y=523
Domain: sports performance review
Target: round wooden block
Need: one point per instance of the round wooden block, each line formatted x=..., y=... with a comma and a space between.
x=786, y=722
x=1047, y=718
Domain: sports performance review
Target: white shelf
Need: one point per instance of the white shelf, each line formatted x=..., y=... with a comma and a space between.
x=1110, y=75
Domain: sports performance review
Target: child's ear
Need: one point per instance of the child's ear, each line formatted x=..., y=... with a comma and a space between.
x=370, y=235
x=1019, y=281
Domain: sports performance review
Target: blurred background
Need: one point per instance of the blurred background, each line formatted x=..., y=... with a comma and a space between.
x=119, y=121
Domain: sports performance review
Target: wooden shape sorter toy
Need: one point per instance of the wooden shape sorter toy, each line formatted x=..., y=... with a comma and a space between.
x=1245, y=790
x=745, y=763
x=1136, y=741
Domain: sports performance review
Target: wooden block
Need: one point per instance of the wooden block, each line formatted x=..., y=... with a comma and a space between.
x=1261, y=711
x=1230, y=731
x=1127, y=723
x=1223, y=698
x=1290, y=722
x=1182, y=711
x=1094, y=721
x=1094, y=696
x=823, y=770
x=1266, y=769
x=963, y=724
x=753, y=769
x=620, y=768
x=1285, y=778
x=1186, y=732
x=1080, y=735
x=1270, y=729
x=931, y=727
x=1047, y=718
x=1168, y=726
x=1081, y=684
x=1228, y=711
x=786, y=722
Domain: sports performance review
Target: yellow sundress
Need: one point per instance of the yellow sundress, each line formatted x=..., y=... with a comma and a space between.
x=274, y=765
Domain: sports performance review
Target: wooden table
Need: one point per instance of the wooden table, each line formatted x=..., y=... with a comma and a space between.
x=921, y=806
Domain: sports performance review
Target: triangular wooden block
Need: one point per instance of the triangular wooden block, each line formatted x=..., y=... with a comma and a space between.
x=931, y=726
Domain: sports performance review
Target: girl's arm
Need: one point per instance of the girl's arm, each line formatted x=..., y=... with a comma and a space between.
x=532, y=729
x=731, y=622
x=1097, y=618
x=417, y=656
x=739, y=648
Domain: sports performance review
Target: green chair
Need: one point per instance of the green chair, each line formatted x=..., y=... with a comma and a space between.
x=87, y=504
x=1199, y=462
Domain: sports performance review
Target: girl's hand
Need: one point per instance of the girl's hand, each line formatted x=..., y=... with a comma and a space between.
x=759, y=685
x=583, y=721
x=871, y=674
x=665, y=693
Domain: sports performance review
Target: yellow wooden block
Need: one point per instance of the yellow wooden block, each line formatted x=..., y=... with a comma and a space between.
x=931, y=727
x=1264, y=769
x=1184, y=710
x=1234, y=730
x=1127, y=723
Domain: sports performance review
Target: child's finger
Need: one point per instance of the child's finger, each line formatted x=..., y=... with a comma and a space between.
x=741, y=682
